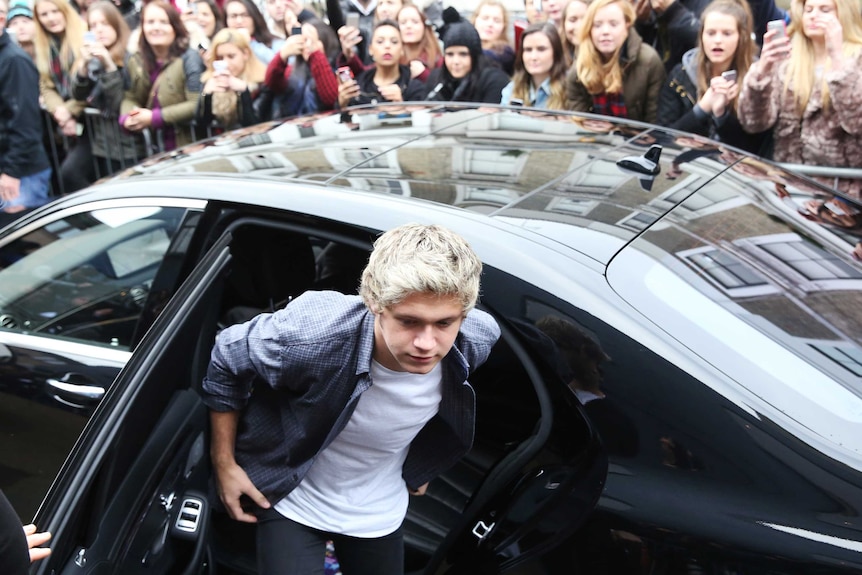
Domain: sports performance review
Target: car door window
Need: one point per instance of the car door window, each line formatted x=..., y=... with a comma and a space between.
x=86, y=276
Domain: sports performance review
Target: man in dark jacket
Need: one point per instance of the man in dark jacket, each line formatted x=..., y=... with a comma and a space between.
x=24, y=167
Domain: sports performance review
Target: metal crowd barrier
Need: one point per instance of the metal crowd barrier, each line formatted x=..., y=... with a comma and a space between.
x=118, y=148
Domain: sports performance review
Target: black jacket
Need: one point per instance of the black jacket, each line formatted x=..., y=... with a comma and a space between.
x=412, y=90
x=486, y=88
x=677, y=109
x=21, y=150
x=674, y=32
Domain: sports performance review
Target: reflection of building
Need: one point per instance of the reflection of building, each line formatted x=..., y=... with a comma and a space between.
x=559, y=179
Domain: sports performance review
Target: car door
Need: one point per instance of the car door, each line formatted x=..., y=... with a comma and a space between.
x=76, y=283
x=132, y=498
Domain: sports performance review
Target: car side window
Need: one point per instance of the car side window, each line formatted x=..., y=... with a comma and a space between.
x=85, y=277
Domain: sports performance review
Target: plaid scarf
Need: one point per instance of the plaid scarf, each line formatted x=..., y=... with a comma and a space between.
x=60, y=70
x=610, y=105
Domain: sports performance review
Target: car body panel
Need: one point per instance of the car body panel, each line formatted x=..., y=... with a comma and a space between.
x=730, y=442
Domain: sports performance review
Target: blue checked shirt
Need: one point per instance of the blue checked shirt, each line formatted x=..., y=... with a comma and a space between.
x=297, y=375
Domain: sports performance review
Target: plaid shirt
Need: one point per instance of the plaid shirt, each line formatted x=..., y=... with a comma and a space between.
x=298, y=373
x=610, y=105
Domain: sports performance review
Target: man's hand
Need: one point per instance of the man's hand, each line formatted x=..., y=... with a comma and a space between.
x=34, y=540
x=232, y=483
x=420, y=491
x=9, y=188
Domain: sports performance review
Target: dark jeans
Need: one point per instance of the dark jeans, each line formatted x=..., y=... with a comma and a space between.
x=285, y=547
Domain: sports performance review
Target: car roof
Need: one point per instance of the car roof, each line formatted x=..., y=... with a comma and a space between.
x=712, y=237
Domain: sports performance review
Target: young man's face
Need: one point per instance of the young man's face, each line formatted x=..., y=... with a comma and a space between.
x=414, y=335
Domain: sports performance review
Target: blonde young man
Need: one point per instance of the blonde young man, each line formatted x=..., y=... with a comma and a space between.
x=327, y=414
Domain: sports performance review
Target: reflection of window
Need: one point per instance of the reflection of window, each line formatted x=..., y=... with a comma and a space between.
x=638, y=221
x=367, y=157
x=599, y=176
x=727, y=271
x=488, y=163
x=709, y=199
x=811, y=261
x=850, y=358
x=574, y=206
x=489, y=196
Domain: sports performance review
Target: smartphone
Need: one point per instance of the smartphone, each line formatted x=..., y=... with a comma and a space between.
x=779, y=26
x=195, y=8
x=89, y=37
x=516, y=102
x=344, y=73
x=730, y=75
x=220, y=66
x=537, y=6
x=12, y=35
x=296, y=31
x=353, y=19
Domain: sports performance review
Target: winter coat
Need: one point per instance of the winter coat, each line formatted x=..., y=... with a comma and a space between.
x=487, y=88
x=104, y=93
x=178, y=87
x=412, y=90
x=21, y=150
x=678, y=109
x=815, y=137
x=643, y=76
x=675, y=31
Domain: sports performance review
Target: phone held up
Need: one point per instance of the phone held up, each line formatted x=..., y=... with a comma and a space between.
x=729, y=75
x=220, y=67
x=296, y=31
x=344, y=74
x=779, y=26
x=353, y=19
x=89, y=37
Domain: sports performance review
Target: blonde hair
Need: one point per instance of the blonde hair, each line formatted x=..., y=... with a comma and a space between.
x=499, y=43
x=225, y=103
x=70, y=43
x=800, y=73
x=594, y=73
x=420, y=258
x=740, y=11
x=569, y=49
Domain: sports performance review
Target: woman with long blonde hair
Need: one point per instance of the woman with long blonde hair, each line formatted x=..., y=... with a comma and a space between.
x=615, y=73
x=58, y=41
x=232, y=81
x=540, y=70
x=806, y=88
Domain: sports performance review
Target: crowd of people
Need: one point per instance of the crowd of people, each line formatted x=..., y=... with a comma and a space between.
x=745, y=72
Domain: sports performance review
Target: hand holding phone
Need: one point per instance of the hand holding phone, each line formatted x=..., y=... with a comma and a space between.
x=344, y=74
x=779, y=27
x=220, y=67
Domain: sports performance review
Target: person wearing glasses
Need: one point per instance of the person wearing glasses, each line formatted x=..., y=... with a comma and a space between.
x=244, y=15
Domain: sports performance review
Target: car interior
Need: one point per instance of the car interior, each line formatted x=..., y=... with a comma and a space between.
x=150, y=506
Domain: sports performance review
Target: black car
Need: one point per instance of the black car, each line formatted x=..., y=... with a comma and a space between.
x=678, y=387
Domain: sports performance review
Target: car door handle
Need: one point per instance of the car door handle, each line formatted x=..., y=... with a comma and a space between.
x=75, y=390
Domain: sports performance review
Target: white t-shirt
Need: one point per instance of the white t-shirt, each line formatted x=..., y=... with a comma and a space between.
x=354, y=487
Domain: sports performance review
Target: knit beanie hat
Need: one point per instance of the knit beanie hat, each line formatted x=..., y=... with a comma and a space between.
x=19, y=8
x=463, y=34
